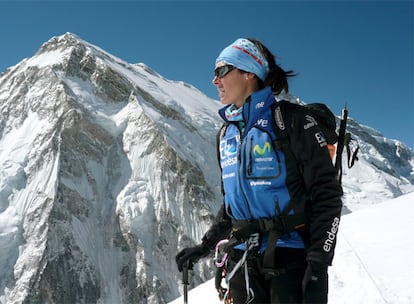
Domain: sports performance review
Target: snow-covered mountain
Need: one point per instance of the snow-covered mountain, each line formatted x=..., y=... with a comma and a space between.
x=107, y=169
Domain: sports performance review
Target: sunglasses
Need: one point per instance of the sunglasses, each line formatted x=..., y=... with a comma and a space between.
x=222, y=71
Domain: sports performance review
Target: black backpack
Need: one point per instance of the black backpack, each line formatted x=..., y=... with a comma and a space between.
x=327, y=123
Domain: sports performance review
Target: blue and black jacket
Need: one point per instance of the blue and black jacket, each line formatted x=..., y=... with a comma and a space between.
x=260, y=180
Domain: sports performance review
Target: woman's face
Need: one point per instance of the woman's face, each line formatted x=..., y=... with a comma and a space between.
x=233, y=87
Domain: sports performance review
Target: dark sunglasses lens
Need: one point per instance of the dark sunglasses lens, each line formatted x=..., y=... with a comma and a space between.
x=223, y=70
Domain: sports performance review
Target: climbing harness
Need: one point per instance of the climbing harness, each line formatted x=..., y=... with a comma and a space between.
x=220, y=260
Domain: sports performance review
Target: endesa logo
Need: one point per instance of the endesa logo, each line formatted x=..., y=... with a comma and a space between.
x=331, y=235
x=229, y=162
x=228, y=147
x=228, y=151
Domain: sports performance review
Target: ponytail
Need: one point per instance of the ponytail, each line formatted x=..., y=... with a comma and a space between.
x=277, y=78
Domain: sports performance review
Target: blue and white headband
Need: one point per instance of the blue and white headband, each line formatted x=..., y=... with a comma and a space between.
x=244, y=55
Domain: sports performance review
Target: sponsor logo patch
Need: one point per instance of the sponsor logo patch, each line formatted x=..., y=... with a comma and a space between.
x=321, y=138
x=329, y=241
x=257, y=150
x=260, y=105
x=260, y=183
x=263, y=122
x=311, y=122
x=228, y=147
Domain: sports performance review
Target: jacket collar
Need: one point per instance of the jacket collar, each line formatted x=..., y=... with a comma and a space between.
x=257, y=103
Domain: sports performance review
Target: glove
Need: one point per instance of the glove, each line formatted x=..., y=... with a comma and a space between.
x=315, y=283
x=190, y=255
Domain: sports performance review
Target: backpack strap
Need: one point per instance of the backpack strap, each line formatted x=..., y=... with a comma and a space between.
x=282, y=121
x=283, y=223
x=219, y=137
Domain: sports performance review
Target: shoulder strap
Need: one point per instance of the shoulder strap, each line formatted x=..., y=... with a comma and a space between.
x=282, y=121
x=281, y=125
x=219, y=137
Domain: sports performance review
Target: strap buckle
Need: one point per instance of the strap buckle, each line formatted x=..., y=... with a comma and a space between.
x=253, y=241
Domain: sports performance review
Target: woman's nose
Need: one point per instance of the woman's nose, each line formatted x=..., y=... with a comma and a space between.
x=215, y=80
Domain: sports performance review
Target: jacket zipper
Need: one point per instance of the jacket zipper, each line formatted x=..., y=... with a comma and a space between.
x=240, y=173
x=250, y=166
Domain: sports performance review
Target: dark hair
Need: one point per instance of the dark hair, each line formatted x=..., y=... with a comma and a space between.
x=277, y=77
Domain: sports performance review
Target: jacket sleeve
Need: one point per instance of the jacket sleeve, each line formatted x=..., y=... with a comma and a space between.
x=219, y=230
x=323, y=210
x=221, y=227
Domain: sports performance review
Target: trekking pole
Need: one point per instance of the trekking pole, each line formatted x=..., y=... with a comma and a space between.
x=185, y=282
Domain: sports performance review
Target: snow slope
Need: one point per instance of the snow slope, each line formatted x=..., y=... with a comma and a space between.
x=372, y=264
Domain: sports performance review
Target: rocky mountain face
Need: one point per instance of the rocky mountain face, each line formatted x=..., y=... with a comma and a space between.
x=107, y=169
x=94, y=188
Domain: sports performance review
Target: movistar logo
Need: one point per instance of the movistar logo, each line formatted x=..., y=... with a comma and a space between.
x=257, y=150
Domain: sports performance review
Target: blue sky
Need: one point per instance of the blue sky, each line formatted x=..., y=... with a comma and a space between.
x=354, y=52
